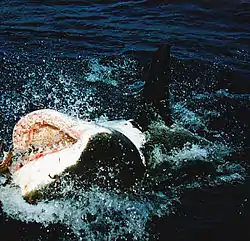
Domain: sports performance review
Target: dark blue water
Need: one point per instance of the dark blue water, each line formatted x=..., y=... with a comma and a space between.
x=84, y=58
x=197, y=29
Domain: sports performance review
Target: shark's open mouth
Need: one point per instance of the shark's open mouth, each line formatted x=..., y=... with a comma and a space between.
x=47, y=144
x=44, y=139
x=41, y=133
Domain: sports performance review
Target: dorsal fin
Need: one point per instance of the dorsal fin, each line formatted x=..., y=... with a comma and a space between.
x=157, y=79
x=157, y=75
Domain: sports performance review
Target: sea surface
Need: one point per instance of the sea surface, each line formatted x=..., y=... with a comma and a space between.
x=85, y=59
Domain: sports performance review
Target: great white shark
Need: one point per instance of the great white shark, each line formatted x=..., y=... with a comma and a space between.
x=48, y=145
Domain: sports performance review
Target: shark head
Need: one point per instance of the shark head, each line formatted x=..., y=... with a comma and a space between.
x=47, y=144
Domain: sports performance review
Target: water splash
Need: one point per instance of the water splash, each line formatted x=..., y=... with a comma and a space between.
x=91, y=215
x=100, y=215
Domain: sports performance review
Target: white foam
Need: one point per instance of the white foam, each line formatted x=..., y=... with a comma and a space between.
x=121, y=215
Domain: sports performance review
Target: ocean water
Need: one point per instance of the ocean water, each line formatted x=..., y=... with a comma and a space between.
x=84, y=58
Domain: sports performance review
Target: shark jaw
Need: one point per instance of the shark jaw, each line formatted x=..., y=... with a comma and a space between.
x=48, y=144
